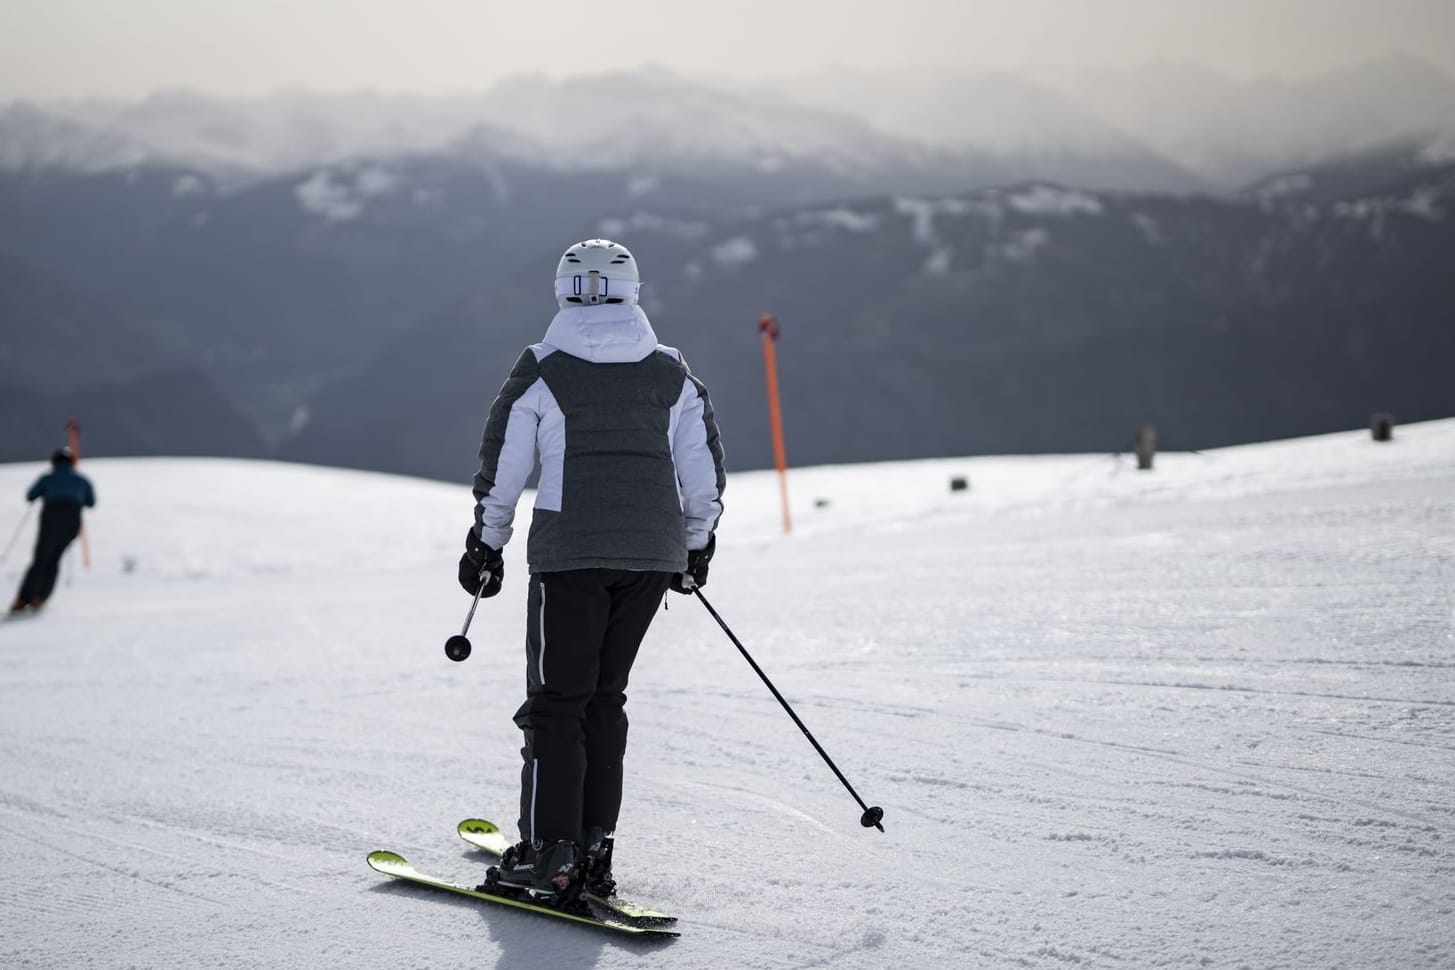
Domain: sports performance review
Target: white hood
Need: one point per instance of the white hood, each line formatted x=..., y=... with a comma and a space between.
x=612, y=333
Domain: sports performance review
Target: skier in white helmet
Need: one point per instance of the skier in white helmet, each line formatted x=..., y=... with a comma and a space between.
x=627, y=504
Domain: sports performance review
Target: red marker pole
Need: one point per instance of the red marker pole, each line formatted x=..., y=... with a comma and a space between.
x=73, y=432
x=768, y=327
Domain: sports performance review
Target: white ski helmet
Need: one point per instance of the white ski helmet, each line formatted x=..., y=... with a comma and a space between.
x=597, y=271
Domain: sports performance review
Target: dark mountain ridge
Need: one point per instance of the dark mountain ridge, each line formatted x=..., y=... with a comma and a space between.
x=1027, y=319
x=363, y=313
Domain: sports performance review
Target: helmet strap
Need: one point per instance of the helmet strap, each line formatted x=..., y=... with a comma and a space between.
x=595, y=288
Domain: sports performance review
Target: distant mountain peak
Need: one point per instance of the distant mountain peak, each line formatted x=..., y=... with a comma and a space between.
x=1168, y=126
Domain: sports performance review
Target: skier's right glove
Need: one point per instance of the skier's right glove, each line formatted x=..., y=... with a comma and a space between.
x=696, y=574
x=481, y=564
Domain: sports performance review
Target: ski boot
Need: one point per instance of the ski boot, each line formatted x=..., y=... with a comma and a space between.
x=599, y=881
x=549, y=875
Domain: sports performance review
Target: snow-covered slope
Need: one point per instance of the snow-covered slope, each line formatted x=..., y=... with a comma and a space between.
x=1196, y=717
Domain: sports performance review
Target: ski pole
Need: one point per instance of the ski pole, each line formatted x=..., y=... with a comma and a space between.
x=458, y=647
x=873, y=815
x=16, y=535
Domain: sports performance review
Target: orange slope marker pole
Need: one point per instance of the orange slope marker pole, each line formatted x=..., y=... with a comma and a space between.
x=768, y=327
x=73, y=432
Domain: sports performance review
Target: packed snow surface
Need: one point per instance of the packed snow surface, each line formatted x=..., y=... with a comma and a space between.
x=1202, y=716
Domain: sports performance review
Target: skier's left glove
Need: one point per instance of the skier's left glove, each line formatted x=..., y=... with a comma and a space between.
x=696, y=574
x=481, y=567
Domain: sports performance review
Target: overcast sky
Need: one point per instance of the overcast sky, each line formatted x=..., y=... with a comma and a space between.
x=129, y=48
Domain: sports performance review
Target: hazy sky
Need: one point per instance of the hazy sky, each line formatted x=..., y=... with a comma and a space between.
x=129, y=48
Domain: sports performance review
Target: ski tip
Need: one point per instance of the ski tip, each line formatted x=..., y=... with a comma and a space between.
x=389, y=863
x=477, y=826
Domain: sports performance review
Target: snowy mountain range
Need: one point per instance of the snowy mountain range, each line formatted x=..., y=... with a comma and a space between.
x=1157, y=127
x=1070, y=315
x=993, y=248
x=1024, y=319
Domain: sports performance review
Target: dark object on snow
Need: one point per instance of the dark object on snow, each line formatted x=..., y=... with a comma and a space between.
x=959, y=483
x=1146, y=446
x=1381, y=426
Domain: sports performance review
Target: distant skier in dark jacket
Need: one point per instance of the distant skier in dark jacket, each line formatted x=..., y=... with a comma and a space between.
x=629, y=495
x=64, y=492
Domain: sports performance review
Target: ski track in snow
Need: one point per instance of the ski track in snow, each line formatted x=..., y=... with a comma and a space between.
x=1203, y=717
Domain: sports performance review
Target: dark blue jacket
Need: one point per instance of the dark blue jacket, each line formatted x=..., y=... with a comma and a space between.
x=63, y=484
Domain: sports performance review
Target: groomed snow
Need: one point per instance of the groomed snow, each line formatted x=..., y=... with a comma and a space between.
x=1198, y=717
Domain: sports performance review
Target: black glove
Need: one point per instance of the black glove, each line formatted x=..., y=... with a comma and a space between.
x=696, y=574
x=481, y=562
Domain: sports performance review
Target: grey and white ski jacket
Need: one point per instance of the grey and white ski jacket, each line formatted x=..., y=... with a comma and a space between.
x=631, y=471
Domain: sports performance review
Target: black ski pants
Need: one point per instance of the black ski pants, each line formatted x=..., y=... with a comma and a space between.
x=60, y=523
x=582, y=633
